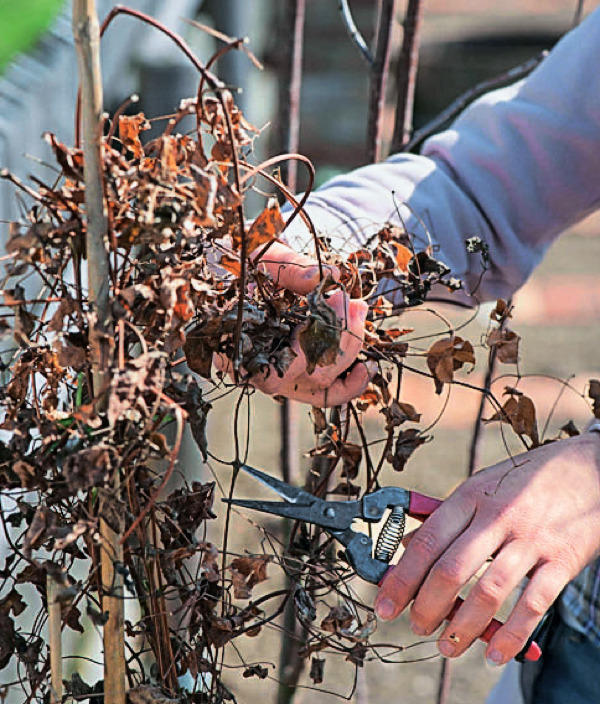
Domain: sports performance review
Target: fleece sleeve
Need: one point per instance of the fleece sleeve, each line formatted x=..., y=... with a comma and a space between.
x=518, y=166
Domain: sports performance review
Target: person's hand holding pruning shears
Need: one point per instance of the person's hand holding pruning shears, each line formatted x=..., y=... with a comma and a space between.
x=536, y=515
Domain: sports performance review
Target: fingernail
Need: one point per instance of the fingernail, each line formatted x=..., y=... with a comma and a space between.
x=495, y=658
x=417, y=629
x=385, y=609
x=446, y=648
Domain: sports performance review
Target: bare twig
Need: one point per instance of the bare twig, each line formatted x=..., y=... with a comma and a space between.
x=353, y=31
x=379, y=77
x=290, y=662
x=406, y=77
x=458, y=105
x=54, y=640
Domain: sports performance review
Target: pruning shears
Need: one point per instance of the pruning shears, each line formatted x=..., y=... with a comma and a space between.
x=336, y=517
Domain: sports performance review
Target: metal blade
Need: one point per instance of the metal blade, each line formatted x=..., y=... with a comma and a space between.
x=277, y=508
x=289, y=493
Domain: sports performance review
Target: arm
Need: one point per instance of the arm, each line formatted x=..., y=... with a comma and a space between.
x=518, y=167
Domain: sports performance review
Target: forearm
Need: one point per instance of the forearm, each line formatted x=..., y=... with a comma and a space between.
x=517, y=168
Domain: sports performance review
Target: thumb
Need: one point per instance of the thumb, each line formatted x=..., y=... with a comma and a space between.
x=292, y=270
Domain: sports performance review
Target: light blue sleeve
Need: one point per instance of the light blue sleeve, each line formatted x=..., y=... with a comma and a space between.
x=519, y=166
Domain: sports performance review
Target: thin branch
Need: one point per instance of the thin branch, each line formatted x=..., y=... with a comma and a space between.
x=353, y=31
x=379, y=77
x=55, y=641
x=406, y=77
x=458, y=105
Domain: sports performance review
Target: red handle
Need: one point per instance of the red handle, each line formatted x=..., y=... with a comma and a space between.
x=533, y=651
x=420, y=506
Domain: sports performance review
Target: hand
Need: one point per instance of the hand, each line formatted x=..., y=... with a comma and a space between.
x=324, y=387
x=538, y=517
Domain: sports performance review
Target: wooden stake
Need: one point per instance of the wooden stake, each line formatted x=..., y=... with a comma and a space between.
x=87, y=42
x=55, y=640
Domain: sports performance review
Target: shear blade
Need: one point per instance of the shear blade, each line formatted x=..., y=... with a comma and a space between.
x=276, y=508
x=289, y=493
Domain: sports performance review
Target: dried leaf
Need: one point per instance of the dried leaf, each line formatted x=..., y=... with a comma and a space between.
x=13, y=601
x=317, y=669
x=7, y=639
x=519, y=412
x=338, y=618
x=130, y=127
x=406, y=443
x=501, y=311
x=320, y=337
x=256, y=671
x=346, y=488
x=506, y=344
x=319, y=420
x=247, y=572
x=267, y=226
x=351, y=458
x=445, y=356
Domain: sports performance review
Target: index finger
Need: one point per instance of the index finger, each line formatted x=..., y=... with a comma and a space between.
x=429, y=542
x=297, y=272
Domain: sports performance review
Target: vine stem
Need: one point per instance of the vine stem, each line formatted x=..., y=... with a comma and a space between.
x=406, y=77
x=380, y=69
x=86, y=34
x=290, y=662
x=55, y=641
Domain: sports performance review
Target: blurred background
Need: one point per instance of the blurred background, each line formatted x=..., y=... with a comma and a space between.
x=463, y=42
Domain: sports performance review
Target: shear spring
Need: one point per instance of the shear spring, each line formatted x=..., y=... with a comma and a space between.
x=390, y=537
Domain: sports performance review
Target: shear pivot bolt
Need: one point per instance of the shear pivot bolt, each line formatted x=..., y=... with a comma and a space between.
x=330, y=512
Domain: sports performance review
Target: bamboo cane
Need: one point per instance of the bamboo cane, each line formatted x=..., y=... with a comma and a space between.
x=87, y=43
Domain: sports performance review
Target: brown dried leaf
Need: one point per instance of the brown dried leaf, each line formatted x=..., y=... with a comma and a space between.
x=317, y=669
x=399, y=412
x=406, y=443
x=339, y=617
x=320, y=337
x=7, y=639
x=519, y=412
x=250, y=572
x=506, y=343
x=13, y=601
x=130, y=127
x=319, y=420
x=445, y=356
x=43, y=520
x=501, y=311
x=351, y=457
x=256, y=671
x=346, y=488
x=26, y=474
x=267, y=226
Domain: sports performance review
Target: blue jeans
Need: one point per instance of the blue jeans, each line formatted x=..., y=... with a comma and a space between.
x=568, y=672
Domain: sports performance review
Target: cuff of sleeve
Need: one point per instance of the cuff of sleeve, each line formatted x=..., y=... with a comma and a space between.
x=594, y=426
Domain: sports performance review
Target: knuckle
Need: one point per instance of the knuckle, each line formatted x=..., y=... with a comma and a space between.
x=534, y=605
x=489, y=592
x=424, y=544
x=450, y=570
